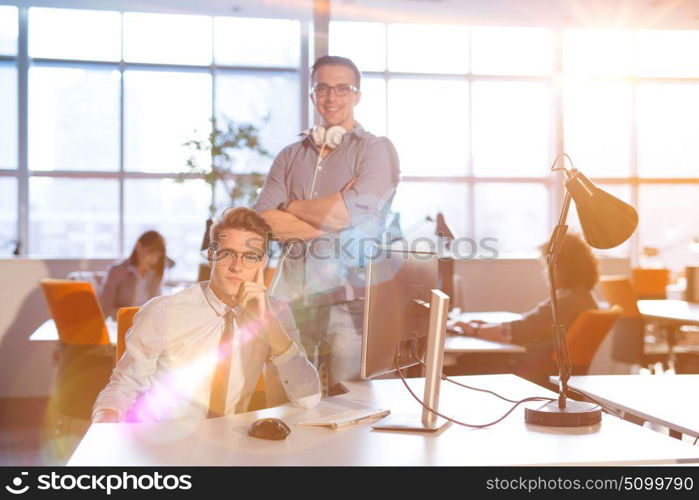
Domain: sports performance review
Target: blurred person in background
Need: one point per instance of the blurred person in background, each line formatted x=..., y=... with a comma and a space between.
x=136, y=279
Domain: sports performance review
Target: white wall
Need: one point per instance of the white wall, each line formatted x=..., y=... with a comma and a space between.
x=26, y=368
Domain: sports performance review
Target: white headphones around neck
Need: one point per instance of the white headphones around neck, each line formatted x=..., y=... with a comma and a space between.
x=330, y=138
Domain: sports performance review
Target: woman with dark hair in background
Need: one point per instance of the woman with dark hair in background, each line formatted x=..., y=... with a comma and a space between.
x=576, y=275
x=137, y=279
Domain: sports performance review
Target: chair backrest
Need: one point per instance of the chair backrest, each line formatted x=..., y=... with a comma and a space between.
x=650, y=283
x=617, y=291
x=269, y=276
x=587, y=333
x=125, y=317
x=76, y=311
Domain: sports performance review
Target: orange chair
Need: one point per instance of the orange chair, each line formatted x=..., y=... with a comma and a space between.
x=650, y=283
x=269, y=276
x=586, y=335
x=617, y=290
x=629, y=332
x=86, y=357
x=76, y=311
x=125, y=317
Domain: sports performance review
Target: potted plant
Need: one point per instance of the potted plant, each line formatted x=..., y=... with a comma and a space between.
x=223, y=146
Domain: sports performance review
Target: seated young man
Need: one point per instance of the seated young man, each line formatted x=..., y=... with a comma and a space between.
x=200, y=352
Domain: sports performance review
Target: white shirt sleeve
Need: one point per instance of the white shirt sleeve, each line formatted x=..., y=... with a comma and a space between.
x=133, y=373
x=298, y=376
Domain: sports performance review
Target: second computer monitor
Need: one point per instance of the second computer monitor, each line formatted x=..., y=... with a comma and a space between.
x=398, y=287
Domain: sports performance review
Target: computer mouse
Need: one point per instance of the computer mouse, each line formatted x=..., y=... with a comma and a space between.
x=269, y=428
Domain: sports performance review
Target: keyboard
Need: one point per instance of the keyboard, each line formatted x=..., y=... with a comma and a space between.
x=346, y=418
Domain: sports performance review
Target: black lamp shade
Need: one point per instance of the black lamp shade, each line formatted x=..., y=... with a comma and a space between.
x=606, y=221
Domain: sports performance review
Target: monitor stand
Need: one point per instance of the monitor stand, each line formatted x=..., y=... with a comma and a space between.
x=436, y=336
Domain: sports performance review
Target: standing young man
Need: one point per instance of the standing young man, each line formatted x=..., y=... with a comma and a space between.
x=200, y=352
x=325, y=197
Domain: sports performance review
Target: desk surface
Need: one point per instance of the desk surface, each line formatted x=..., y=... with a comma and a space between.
x=678, y=311
x=669, y=400
x=47, y=332
x=459, y=344
x=223, y=441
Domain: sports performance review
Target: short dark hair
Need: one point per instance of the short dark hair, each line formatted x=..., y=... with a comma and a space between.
x=337, y=61
x=577, y=265
x=243, y=219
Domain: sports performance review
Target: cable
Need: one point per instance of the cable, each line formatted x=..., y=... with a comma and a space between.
x=488, y=391
x=472, y=426
x=444, y=377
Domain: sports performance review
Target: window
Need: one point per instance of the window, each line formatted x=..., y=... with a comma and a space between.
x=268, y=101
x=597, y=125
x=179, y=40
x=177, y=211
x=429, y=141
x=8, y=30
x=667, y=221
x=8, y=215
x=370, y=55
x=477, y=129
x=421, y=48
x=511, y=129
x=8, y=118
x=73, y=118
x=512, y=51
x=73, y=219
x=667, y=130
x=106, y=129
x=155, y=128
x=416, y=201
x=74, y=34
x=516, y=215
x=257, y=42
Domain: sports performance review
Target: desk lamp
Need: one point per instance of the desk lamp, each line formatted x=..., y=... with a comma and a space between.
x=606, y=222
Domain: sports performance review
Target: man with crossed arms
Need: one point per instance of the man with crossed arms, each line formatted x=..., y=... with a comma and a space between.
x=325, y=197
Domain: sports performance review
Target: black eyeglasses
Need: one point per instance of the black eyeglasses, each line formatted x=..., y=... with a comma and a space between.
x=249, y=259
x=341, y=89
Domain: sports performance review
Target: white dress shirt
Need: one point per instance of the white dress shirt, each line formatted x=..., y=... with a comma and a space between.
x=170, y=358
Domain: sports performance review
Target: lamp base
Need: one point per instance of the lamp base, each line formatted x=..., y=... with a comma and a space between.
x=575, y=414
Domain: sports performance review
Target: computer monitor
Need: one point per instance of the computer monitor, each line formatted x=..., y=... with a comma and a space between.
x=404, y=318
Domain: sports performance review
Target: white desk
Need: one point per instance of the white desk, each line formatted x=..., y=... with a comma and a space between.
x=461, y=344
x=485, y=316
x=47, y=332
x=677, y=311
x=223, y=441
x=668, y=400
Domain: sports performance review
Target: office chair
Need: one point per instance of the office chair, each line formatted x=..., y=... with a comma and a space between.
x=86, y=357
x=587, y=333
x=650, y=283
x=125, y=317
x=629, y=332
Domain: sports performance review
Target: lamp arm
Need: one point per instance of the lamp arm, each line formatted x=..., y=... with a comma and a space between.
x=558, y=331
